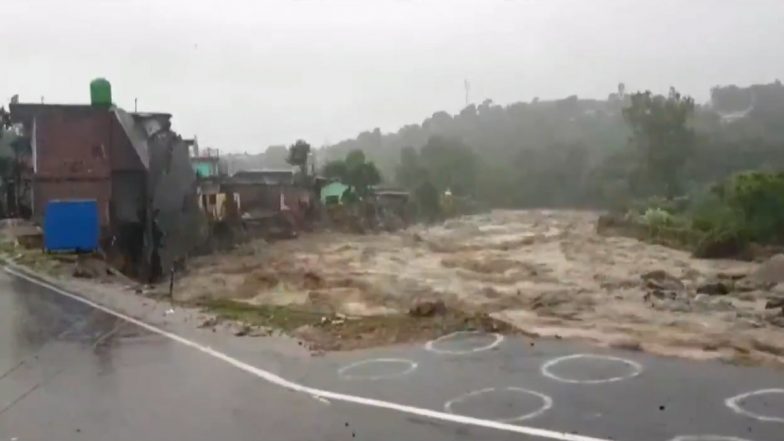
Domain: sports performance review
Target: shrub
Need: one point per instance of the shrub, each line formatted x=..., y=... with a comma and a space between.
x=759, y=198
x=710, y=212
x=721, y=243
x=657, y=217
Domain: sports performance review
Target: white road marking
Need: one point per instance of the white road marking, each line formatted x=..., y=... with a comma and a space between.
x=410, y=366
x=431, y=345
x=547, y=402
x=314, y=392
x=734, y=403
x=546, y=368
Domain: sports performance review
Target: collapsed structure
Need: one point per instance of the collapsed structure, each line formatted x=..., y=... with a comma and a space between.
x=133, y=165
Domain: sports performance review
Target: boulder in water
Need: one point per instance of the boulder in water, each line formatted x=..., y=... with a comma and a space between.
x=772, y=271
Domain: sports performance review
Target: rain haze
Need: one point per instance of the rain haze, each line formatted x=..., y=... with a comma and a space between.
x=431, y=220
x=243, y=75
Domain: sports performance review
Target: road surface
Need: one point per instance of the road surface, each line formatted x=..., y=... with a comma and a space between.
x=69, y=371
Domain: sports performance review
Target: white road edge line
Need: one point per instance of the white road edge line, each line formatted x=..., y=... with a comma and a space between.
x=316, y=393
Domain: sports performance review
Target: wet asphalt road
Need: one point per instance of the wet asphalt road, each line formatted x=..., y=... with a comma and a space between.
x=70, y=372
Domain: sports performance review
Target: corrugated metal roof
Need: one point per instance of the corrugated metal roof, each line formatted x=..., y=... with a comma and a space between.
x=269, y=177
x=135, y=133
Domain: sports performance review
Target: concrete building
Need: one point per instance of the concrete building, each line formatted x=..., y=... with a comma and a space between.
x=132, y=164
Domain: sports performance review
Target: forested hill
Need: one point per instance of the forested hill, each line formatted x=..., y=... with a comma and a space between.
x=569, y=152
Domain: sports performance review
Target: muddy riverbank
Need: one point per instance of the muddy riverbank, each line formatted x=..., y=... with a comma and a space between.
x=543, y=272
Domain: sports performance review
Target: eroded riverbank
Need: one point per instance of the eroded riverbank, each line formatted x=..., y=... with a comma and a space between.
x=543, y=272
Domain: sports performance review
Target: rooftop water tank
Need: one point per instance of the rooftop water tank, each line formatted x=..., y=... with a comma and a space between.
x=100, y=92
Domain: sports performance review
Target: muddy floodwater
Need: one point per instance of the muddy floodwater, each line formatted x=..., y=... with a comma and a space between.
x=546, y=273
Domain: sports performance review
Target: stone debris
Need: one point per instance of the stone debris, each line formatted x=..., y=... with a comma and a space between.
x=242, y=330
x=714, y=289
x=662, y=280
x=427, y=308
x=771, y=271
x=89, y=268
x=776, y=302
x=208, y=322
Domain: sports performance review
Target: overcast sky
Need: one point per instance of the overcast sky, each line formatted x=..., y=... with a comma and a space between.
x=246, y=74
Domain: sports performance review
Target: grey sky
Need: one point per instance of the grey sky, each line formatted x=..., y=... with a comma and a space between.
x=246, y=74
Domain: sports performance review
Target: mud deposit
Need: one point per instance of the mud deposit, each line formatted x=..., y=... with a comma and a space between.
x=543, y=272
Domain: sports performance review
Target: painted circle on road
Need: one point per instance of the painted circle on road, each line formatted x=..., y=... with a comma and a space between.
x=437, y=345
x=634, y=369
x=465, y=399
x=707, y=438
x=377, y=369
x=736, y=404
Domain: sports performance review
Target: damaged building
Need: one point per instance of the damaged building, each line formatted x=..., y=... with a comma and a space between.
x=133, y=165
x=217, y=204
x=272, y=202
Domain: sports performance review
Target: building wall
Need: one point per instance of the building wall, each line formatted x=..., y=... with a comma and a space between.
x=82, y=152
x=73, y=143
x=262, y=199
x=174, y=190
x=258, y=198
x=205, y=167
x=71, y=151
x=129, y=195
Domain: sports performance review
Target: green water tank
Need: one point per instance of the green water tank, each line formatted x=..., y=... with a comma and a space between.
x=100, y=92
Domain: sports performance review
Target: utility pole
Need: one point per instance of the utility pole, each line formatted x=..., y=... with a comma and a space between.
x=135, y=100
x=467, y=86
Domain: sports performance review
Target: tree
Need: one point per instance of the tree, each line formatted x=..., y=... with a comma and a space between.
x=662, y=137
x=354, y=171
x=577, y=151
x=450, y=164
x=335, y=170
x=409, y=173
x=299, y=153
x=427, y=201
x=5, y=120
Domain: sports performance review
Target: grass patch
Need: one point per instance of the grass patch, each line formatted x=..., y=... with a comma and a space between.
x=285, y=318
x=332, y=332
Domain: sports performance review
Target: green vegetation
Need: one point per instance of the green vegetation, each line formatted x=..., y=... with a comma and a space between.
x=298, y=156
x=285, y=318
x=723, y=221
x=706, y=175
x=663, y=140
x=355, y=171
x=746, y=208
x=328, y=331
x=584, y=152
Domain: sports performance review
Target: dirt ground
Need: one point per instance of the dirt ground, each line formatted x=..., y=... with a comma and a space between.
x=545, y=273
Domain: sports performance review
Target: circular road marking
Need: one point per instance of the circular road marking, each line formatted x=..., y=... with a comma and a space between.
x=707, y=438
x=546, y=369
x=735, y=402
x=547, y=402
x=432, y=345
x=345, y=371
